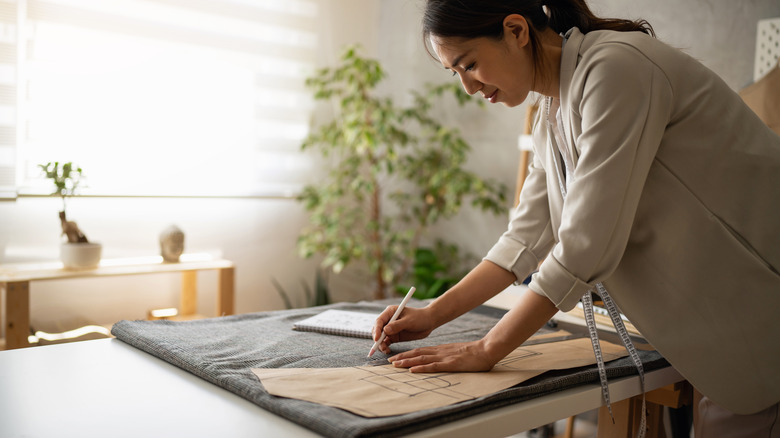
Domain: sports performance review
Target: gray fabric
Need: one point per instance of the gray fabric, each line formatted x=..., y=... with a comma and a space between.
x=223, y=351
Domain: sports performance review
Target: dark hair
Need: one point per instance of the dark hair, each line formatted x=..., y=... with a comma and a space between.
x=485, y=18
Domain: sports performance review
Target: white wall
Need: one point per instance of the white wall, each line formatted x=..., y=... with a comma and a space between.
x=259, y=234
x=719, y=33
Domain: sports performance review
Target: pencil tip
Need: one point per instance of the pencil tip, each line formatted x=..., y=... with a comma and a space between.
x=371, y=353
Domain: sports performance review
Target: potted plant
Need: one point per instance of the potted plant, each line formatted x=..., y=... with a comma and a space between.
x=396, y=171
x=77, y=252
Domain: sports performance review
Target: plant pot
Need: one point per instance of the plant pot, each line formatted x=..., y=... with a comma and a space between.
x=80, y=255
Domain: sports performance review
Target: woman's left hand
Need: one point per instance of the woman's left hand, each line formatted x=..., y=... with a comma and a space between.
x=461, y=357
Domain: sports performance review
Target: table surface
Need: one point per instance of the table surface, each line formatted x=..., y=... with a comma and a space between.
x=107, y=388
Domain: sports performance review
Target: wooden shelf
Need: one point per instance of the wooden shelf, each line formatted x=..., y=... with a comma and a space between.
x=109, y=267
x=16, y=278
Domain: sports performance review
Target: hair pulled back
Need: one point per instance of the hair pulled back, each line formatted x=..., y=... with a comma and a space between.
x=485, y=18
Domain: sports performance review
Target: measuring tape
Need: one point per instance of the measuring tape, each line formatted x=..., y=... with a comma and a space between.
x=617, y=321
x=612, y=310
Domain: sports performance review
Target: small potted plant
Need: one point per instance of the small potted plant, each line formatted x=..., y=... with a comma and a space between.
x=77, y=252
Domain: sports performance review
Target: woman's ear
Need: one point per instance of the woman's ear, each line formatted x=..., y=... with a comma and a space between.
x=516, y=28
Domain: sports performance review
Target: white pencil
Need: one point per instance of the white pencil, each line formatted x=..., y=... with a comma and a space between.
x=395, y=316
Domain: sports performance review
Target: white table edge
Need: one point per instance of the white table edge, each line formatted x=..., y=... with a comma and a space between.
x=547, y=409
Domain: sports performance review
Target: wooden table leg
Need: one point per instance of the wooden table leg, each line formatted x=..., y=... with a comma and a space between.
x=225, y=293
x=569, y=428
x=628, y=418
x=17, y=314
x=188, y=303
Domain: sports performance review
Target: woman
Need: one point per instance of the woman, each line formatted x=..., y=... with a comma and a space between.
x=650, y=179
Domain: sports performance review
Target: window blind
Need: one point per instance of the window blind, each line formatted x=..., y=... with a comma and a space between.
x=8, y=97
x=166, y=97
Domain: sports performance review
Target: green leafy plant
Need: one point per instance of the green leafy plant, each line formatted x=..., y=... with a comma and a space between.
x=436, y=269
x=319, y=297
x=395, y=172
x=66, y=179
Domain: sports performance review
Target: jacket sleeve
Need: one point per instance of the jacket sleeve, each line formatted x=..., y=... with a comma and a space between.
x=528, y=238
x=622, y=103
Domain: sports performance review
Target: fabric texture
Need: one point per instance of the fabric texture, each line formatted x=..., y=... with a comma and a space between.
x=711, y=420
x=223, y=351
x=673, y=206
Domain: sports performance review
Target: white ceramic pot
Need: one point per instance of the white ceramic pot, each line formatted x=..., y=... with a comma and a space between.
x=80, y=255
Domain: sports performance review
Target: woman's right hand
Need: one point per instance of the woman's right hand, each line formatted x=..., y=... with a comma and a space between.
x=411, y=325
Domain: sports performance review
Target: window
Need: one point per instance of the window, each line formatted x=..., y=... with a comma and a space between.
x=157, y=97
x=8, y=98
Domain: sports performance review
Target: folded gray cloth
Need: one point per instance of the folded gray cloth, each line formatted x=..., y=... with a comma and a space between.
x=224, y=350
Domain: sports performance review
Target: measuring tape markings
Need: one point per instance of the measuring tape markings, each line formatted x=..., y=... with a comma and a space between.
x=617, y=321
x=587, y=302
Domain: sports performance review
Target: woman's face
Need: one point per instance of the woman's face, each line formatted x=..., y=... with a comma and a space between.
x=501, y=70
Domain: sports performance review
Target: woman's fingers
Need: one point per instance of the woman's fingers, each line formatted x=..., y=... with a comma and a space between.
x=382, y=320
x=444, y=358
x=408, y=357
x=423, y=363
x=385, y=345
x=422, y=360
x=411, y=325
x=413, y=353
x=430, y=367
